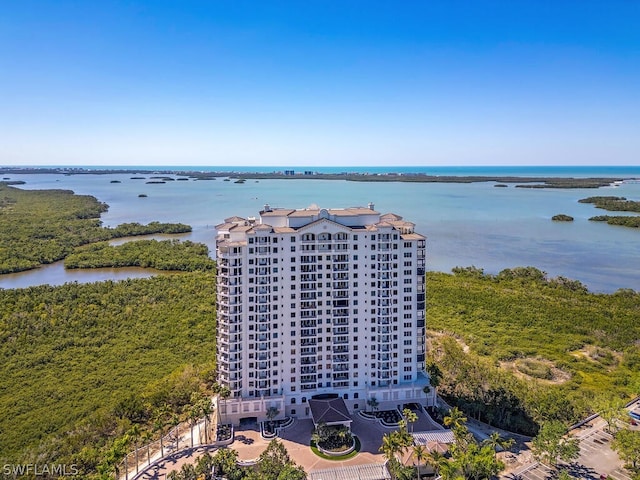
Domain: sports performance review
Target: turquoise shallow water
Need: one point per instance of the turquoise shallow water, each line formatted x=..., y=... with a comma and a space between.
x=466, y=224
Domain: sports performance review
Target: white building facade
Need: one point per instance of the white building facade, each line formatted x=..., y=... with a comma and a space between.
x=320, y=302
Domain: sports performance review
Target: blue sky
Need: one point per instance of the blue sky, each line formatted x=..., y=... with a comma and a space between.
x=320, y=82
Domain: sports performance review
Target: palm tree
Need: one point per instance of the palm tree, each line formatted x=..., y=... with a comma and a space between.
x=206, y=409
x=420, y=454
x=455, y=419
x=495, y=441
x=193, y=412
x=436, y=460
x=272, y=412
x=390, y=446
x=175, y=421
x=224, y=394
x=146, y=438
x=411, y=417
x=159, y=423
x=373, y=403
x=134, y=433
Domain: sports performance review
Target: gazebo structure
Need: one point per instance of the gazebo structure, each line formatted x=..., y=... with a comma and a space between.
x=330, y=412
x=434, y=440
x=374, y=471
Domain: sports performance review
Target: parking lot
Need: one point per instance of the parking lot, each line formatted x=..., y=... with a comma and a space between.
x=597, y=460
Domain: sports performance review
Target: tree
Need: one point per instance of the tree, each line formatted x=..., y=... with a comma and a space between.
x=455, y=419
x=411, y=417
x=611, y=410
x=420, y=454
x=206, y=408
x=272, y=412
x=495, y=441
x=224, y=393
x=436, y=460
x=225, y=463
x=552, y=444
x=390, y=446
x=134, y=433
x=272, y=461
x=627, y=444
x=292, y=472
x=160, y=421
x=435, y=374
x=373, y=403
x=146, y=438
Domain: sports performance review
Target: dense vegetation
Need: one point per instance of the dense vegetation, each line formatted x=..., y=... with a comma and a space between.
x=274, y=463
x=619, y=220
x=162, y=255
x=561, y=217
x=83, y=364
x=466, y=459
x=613, y=204
x=43, y=226
x=522, y=328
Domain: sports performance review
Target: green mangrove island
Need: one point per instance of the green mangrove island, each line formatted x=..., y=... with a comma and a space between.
x=561, y=217
x=615, y=204
x=43, y=226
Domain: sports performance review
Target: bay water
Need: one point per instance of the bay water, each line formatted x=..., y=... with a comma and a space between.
x=465, y=224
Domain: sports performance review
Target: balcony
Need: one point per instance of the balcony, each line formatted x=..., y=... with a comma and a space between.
x=340, y=331
x=308, y=369
x=340, y=358
x=340, y=376
x=308, y=332
x=308, y=379
x=308, y=360
x=306, y=342
x=340, y=321
x=305, y=387
x=340, y=340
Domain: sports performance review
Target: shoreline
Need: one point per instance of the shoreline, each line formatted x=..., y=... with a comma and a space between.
x=519, y=181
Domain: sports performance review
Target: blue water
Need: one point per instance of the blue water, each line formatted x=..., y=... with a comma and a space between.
x=518, y=171
x=466, y=224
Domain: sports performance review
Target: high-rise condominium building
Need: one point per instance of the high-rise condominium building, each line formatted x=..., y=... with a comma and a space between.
x=320, y=302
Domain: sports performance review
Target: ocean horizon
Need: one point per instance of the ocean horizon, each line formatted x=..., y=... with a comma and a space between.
x=579, y=171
